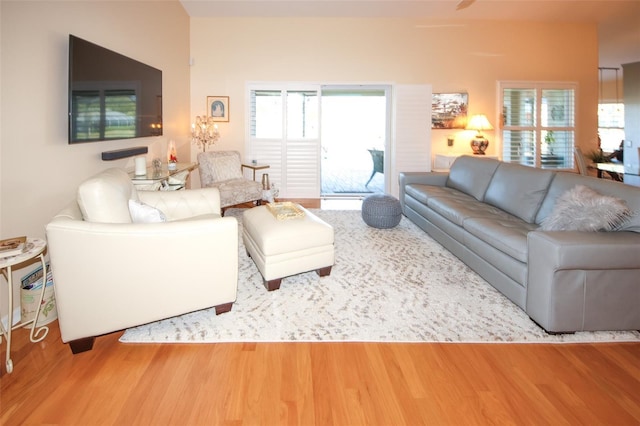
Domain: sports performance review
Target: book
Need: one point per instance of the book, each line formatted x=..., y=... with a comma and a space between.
x=13, y=246
x=33, y=280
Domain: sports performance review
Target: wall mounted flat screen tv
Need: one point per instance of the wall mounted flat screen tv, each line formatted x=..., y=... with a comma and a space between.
x=111, y=96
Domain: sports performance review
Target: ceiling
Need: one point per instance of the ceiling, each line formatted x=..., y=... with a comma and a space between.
x=618, y=20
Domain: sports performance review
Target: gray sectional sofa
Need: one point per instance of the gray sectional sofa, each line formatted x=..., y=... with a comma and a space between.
x=516, y=227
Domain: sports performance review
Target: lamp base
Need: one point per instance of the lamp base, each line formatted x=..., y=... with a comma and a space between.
x=479, y=145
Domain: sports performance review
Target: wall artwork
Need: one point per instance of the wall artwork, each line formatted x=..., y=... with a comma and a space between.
x=218, y=108
x=449, y=110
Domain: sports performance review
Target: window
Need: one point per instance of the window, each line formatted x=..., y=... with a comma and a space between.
x=538, y=124
x=610, y=126
x=267, y=114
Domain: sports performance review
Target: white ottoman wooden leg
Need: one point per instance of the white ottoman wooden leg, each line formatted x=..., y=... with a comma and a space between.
x=281, y=248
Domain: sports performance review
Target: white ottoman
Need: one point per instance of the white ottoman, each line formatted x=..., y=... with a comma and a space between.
x=281, y=248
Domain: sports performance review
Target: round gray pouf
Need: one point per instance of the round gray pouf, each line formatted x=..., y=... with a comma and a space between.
x=381, y=211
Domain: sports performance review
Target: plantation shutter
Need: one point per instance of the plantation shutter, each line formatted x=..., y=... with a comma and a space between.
x=411, y=140
x=538, y=124
x=283, y=133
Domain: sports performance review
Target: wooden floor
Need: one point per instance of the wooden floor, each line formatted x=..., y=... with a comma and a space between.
x=319, y=383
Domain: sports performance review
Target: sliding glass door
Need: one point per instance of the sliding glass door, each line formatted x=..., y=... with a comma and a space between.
x=354, y=134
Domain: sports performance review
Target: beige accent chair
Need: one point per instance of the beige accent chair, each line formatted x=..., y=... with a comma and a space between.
x=111, y=272
x=223, y=170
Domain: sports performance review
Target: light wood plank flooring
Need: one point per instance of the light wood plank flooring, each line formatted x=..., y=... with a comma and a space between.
x=319, y=383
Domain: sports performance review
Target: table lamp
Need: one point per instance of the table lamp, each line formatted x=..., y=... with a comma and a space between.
x=479, y=123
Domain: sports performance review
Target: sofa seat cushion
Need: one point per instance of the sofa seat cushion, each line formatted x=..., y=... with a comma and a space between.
x=423, y=192
x=507, y=235
x=518, y=190
x=457, y=210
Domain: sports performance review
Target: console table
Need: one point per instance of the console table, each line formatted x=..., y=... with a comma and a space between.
x=155, y=180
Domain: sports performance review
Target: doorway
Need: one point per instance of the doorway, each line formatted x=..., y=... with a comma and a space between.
x=354, y=134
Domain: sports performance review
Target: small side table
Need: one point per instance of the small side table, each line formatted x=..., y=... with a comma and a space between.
x=154, y=180
x=254, y=167
x=35, y=248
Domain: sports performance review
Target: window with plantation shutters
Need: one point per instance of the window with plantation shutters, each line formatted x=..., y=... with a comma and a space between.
x=284, y=133
x=538, y=124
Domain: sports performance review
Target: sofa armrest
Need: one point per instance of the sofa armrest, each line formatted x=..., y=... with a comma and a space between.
x=583, y=280
x=178, y=205
x=584, y=250
x=423, y=178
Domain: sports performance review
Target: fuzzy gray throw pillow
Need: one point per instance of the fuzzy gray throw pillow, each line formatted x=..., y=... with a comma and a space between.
x=583, y=209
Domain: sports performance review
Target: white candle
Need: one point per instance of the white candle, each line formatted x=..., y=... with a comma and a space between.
x=141, y=166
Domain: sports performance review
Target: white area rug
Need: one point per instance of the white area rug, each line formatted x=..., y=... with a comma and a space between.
x=395, y=285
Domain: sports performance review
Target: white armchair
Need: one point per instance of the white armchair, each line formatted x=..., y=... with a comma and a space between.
x=223, y=170
x=111, y=273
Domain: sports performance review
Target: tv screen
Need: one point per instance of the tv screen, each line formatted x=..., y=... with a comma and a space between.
x=111, y=96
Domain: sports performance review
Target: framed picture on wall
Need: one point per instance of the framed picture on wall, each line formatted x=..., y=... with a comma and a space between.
x=449, y=110
x=218, y=108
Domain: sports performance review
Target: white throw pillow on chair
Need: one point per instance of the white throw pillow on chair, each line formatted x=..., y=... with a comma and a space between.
x=144, y=213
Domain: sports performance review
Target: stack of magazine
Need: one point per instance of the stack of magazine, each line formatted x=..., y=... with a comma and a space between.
x=13, y=246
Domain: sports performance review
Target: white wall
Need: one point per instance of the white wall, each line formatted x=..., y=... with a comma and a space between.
x=39, y=171
x=456, y=57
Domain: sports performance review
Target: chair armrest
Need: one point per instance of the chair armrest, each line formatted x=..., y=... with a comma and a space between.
x=178, y=205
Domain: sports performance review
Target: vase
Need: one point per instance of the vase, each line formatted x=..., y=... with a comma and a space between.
x=479, y=145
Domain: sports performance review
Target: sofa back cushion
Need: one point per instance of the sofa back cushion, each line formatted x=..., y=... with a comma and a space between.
x=564, y=182
x=472, y=174
x=518, y=190
x=105, y=197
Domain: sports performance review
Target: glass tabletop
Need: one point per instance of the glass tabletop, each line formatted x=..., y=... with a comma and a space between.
x=163, y=173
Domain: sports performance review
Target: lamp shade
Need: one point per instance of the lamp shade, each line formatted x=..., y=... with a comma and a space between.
x=479, y=122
